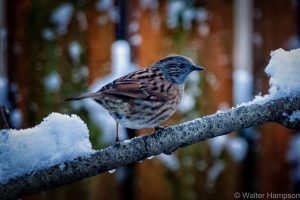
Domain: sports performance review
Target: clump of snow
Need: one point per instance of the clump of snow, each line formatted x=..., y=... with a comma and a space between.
x=235, y=146
x=74, y=49
x=284, y=72
x=61, y=17
x=57, y=139
x=52, y=82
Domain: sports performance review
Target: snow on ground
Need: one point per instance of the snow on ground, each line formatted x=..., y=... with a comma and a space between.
x=58, y=138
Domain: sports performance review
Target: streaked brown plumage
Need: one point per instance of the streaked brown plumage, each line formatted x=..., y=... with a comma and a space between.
x=146, y=97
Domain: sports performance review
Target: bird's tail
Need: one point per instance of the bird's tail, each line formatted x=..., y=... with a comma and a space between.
x=85, y=96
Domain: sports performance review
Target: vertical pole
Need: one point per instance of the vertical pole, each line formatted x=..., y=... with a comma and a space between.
x=120, y=58
x=243, y=51
x=243, y=79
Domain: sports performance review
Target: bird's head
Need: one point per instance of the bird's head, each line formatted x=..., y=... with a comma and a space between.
x=177, y=68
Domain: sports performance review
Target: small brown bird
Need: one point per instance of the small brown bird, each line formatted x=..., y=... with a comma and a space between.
x=147, y=97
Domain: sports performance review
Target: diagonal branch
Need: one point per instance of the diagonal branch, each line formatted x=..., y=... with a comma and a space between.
x=164, y=140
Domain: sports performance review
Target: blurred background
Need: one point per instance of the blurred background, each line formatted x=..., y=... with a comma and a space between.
x=54, y=49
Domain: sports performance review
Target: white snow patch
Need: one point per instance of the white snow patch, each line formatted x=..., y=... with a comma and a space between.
x=61, y=17
x=104, y=5
x=217, y=145
x=111, y=11
x=180, y=12
x=174, y=9
x=57, y=139
x=136, y=39
x=284, y=72
x=75, y=50
x=52, y=82
x=187, y=103
x=170, y=161
x=48, y=34
x=235, y=146
x=214, y=172
x=203, y=29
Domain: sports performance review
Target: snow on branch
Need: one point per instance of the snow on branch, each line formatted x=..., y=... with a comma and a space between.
x=165, y=141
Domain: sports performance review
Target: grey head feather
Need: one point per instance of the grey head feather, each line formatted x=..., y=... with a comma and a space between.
x=176, y=68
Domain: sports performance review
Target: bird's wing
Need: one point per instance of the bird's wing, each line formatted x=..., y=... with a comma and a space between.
x=139, y=85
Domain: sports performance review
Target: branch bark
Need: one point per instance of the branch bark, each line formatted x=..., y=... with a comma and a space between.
x=165, y=141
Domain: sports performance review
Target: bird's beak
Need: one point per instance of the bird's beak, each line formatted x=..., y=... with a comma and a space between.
x=197, y=68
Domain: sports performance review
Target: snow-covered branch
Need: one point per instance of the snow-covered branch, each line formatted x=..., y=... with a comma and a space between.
x=165, y=141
